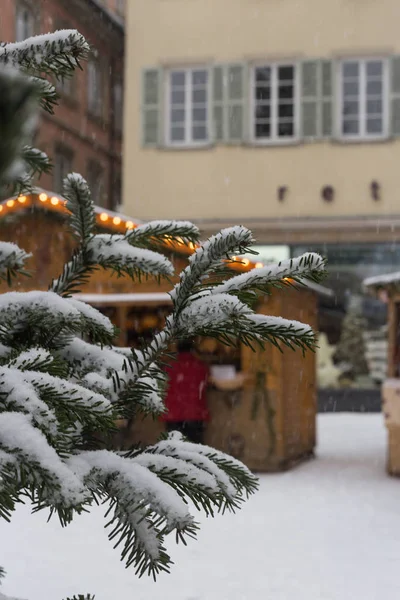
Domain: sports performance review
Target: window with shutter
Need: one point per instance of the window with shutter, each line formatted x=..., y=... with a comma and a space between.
x=151, y=107
x=363, y=99
x=63, y=164
x=310, y=92
x=395, y=95
x=327, y=95
x=188, y=100
x=25, y=25
x=218, y=126
x=95, y=179
x=236, y=97
x=95, y=88
x=274, y=103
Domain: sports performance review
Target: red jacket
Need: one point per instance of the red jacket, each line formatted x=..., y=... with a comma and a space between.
x=186, y=394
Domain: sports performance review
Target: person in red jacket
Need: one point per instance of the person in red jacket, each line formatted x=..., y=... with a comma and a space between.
x=186, y=401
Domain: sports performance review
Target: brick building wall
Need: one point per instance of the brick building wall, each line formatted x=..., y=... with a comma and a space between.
x=85, y=133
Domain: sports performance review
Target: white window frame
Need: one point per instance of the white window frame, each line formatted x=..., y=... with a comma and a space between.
x=23, y=9
x=94, y=88
x=188, y=142
x=274, y=139
x=363, y=136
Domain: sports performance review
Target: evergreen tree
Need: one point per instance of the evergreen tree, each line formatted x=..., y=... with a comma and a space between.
x=351, y=347
x=62, y=382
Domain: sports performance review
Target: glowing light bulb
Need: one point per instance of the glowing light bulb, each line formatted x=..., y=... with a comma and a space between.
x=1, y=207
x=42, y=197
x=259, y=265
x=22, y=199
x=104, y=217
x=54, y=200
x=245, y=262
x=10, y=203
x=116, y=220
x=129, y=224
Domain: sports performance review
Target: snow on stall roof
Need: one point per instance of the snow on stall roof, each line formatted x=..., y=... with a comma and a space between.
x=144, y=298
x=381, y=280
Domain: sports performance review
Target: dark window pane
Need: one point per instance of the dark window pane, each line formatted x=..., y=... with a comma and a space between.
x=374, y=106
x=263, y=74
x=285, y=73
x=178, y=96
x=199, y=132
x=263, y=93
x=286, y=129
x=350, y=107
x=374, y=87
x=262, y=130
x=177, y=134
x=199, y=114
x=350, y=127
x=285, y=110
x=286, y=92
x=263, y=112
x=177, y=115
x=374, y=68
x=199, y=77
x=374, y=126
x=350, y=69
x=178, y=78
x=350, y=88
x=199, y=95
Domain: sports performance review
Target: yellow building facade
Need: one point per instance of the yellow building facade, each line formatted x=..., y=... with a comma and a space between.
x=284, y=116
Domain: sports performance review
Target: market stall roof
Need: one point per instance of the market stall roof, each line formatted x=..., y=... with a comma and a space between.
x=120, y=223
x=383, y=281
x=112, y=299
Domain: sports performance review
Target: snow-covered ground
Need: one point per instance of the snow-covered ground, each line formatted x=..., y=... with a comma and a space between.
x=328, y=530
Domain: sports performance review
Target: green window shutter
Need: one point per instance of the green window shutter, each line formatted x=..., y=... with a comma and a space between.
x=310, y=86
x=395, y=95
x=151, y=107
x=236, y=92
x=327, y=98
x=218, y=100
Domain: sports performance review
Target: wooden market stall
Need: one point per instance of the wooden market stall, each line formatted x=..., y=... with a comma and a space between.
x=387, y=288
x=270, y=421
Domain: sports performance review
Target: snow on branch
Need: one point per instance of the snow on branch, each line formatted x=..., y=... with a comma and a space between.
x=181, y=231
x=210, y=312
x=57, y=53
x=36, y=161
x=30, y=449
x=116, y=252
x=12, y=260
x=223, y=245
x=47, y=93
x=79, y=202
x=309, y=266
x=47, y=313
x=227, y=318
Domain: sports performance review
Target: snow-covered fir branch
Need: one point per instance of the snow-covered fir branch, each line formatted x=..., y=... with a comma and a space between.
x=63, y=384
x=57, y=53
x=309, y=266
x=12, y=260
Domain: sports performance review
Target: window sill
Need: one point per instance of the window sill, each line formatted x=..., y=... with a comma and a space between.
x=362, y=140
x=260, y=143
x=177, y=147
